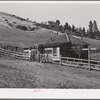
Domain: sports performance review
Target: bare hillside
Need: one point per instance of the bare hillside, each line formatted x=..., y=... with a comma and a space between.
x=12, y=21
x=18, y=31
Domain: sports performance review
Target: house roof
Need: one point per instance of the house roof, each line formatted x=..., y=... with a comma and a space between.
x=61, y=39
x=56, y=40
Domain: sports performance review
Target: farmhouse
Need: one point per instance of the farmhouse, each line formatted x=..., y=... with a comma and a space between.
x=62, y=45
x=57, y=45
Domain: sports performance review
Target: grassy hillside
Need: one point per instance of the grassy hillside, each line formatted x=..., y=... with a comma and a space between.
x=24, y=38
x=18, y=31
x=12, y=21
x=91, y=42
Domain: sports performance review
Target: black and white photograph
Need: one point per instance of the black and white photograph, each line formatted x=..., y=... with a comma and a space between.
x=49, y=45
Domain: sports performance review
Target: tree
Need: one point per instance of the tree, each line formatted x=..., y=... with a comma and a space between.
x=80, y=31
x=95, y=28
x=77, y=51
x=84, y=30
x=73, y=28
x=66, y=26
x=90, y=30
x=57, y=25
x=90, y=27
x=51, y=24
x=61, y=28
x=69, y=27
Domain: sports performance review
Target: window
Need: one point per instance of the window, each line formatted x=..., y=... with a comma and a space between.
x=48, y=50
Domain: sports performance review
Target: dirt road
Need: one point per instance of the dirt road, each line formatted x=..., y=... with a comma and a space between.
x=25, y=74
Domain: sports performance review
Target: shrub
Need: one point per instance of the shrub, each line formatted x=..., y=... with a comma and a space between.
x=6, y=20
x=10, y=24
x=24, y=28
x=14, y=22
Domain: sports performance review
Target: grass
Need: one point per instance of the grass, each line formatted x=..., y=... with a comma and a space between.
x=93, y=43
x=25, y=74
x=13, y=36
x=24, y=38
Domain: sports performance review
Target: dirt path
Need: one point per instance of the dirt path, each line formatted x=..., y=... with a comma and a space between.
x=24, y=74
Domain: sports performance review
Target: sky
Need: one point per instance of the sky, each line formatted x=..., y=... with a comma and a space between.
x=77, y=14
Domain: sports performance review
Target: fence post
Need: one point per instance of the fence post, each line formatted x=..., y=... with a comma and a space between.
x=60, y=60
x=89, y=61
x=15, y=55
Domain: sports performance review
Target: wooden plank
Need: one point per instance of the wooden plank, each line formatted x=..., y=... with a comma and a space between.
x=89, y=48
x=13, y=54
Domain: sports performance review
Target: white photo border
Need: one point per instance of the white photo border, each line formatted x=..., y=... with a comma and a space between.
x=50, y=93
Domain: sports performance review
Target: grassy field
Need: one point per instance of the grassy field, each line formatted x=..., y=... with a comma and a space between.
x=25, y=74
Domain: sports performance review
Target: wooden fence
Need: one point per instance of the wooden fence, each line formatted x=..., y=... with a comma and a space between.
x=16, y=55
x=83, y=63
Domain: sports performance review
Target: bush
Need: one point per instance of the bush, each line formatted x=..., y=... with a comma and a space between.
x=6, y=20
x=14, y=22
x=24, y=28
x=10, y=24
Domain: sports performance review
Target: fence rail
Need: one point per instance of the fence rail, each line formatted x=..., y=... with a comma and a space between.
x=83, y=63
x=90, y=64
x=16, y=55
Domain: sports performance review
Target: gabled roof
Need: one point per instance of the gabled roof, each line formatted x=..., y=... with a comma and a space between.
x=56, y=40
x=61, y=39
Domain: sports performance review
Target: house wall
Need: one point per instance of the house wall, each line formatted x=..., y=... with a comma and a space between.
x=65, y=50
x=48, y=50
x=54, y=51
x=77, y=53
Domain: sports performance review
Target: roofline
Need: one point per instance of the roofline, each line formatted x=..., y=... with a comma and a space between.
x=67, y=37
x=53, y=44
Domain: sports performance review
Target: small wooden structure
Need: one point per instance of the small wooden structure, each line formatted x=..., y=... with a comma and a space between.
x=58, y=45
